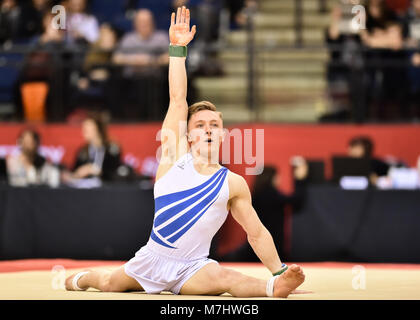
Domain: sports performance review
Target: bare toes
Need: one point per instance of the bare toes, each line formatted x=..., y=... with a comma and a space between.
x=68, y=283
x=295, y=268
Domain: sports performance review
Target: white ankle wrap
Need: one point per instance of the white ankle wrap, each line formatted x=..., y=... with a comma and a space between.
x=76, y=279
x=270, y=286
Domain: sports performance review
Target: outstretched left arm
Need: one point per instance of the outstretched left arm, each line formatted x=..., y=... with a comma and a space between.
x=259, y=237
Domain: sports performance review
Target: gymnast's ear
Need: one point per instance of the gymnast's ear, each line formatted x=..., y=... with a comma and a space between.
x=224, y=134
x=189, y=138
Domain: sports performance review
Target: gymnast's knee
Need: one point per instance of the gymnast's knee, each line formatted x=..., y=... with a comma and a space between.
x=108, y=283
x=227, y=278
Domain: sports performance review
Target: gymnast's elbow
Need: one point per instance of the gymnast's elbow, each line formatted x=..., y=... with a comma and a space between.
x=257, y=234
x=178, y=102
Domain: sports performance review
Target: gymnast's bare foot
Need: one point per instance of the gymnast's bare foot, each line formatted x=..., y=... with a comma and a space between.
x=288, y=281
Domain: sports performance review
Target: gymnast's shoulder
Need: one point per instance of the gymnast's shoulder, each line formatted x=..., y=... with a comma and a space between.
x=237, y=185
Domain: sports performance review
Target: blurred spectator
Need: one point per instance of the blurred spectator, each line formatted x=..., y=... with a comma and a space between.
x=101, y=51
x=203, y=56
x=99, y=157
x=32, y=13
x=93, y=87
x=82, y=27
x=385, y=62
x=239, y=11
x=48, y=62
x=363, y=147
x=28, y=167
x=270, y=205
x=411, y=33
x=411, y=25
x=206, y=14
x=143, y=56
x=145, y=47
x=344, y=66
x=383, y=29
x=9, y=21
x=209, y=18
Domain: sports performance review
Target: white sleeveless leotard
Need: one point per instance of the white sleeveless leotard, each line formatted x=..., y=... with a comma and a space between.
x=189, y=209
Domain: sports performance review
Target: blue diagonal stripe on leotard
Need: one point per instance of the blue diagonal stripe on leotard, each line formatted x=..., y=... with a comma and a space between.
x=167, y=199
x=188, y=226
x=169, y=213
x=156, y=238
x=188, y=215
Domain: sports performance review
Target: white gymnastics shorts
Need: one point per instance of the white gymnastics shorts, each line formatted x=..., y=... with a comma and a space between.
x=156, y=272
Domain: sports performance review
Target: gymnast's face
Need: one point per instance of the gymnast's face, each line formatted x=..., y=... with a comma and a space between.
x=205, y=132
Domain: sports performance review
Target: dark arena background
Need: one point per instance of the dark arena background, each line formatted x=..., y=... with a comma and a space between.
x=321, y=102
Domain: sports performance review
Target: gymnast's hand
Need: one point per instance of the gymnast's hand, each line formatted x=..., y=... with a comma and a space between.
x=179, y=32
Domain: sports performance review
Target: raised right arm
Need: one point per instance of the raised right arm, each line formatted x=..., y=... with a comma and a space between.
x=176, y=118
x=174, y=126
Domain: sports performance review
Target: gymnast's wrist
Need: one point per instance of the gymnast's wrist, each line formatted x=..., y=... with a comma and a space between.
x=283, y=269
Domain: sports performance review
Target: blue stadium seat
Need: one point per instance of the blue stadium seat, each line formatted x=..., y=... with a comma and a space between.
x=9, y=72
x=112, y=12
x=107, y=10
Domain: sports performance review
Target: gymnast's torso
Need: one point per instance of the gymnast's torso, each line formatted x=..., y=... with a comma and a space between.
x=189, y=209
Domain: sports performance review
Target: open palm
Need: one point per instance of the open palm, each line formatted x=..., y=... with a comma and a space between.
x=179, y=32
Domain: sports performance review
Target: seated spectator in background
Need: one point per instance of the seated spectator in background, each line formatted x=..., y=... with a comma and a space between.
x=93, y=87
x=28, y=167
x=362, y=147
x=270, y=205
x=99, y=157
x=9, y=21
x=50, y=35
x=100, y=52
x=143, y=48
x=143, y=56
x=32, y=14
x=82, y=27
x=384, y=60
x=412, y=42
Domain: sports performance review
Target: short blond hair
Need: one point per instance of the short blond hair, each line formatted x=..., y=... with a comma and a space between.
x=202, y=105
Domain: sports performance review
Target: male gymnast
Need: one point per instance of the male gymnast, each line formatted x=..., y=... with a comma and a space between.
x=193, y=195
